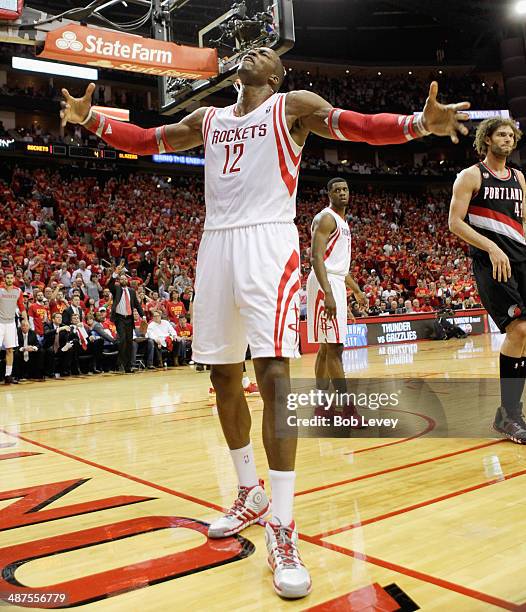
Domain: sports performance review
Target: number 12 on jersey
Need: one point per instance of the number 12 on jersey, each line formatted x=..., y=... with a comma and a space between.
x=235, y=154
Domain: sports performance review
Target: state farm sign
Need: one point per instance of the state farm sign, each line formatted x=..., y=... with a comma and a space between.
x=108, y=49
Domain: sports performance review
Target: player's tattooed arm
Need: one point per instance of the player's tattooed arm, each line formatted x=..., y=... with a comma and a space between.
x=466, y=185
x=324, y=226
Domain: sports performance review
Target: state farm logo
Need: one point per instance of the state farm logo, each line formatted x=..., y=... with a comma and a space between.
x=121, y=51
x=69, y=41
x=115, y=48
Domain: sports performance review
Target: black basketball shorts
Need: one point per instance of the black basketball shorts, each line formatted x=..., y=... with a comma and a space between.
x=505, y=302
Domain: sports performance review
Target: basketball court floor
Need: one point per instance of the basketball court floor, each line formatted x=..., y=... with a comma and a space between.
x=106, y=483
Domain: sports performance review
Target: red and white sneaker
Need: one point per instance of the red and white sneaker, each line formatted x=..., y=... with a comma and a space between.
x=251, y=504
x=291, y=577
x=252, y=389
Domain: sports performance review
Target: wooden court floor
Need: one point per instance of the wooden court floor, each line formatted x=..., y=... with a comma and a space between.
x=105, y=484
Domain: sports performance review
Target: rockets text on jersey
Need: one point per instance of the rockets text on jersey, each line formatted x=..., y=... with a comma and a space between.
x=251, y=166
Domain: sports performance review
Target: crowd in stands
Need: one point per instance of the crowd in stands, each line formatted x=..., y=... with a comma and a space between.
x=75, y=135
x=403, y=251
x=63, y=238
x=425, y=168
x=401, y=93
x=386, y=92
x=396, y=93
x=48, y=91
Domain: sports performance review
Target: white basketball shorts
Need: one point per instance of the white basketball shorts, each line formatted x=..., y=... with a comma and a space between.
x=318, y=328
x=247, y=293
x=8, y=335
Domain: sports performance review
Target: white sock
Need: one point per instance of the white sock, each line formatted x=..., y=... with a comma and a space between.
x=282, y=484
x=8, y=370
x=245, y=465
x=245, y=382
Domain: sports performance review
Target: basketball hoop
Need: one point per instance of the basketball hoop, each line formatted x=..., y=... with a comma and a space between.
x=232, y=34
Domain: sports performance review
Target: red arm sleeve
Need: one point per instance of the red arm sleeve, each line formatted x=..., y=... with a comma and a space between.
x=20, y=302
x=129, y=137
x=382, y=129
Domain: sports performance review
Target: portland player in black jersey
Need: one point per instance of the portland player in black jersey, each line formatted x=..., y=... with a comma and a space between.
x=487, y=212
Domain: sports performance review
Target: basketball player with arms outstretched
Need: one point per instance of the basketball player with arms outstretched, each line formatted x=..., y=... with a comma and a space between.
x=248, y=266
x=327, y=292
x=487, y=212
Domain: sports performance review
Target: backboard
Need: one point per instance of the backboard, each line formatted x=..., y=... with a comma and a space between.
x=233, y=28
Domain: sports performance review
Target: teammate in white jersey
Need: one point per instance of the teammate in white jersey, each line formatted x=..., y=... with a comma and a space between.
x=327, y=289
x=248, y=277
x=11, y=299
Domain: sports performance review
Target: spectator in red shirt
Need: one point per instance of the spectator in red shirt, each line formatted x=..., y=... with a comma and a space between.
x=154, y=304
x=19, y=277
x=37, y=283
x=434, y=301
x=163, y=276
x=106, y=322
x=427, y=306
x=134, y=280
x=174, y=307
x=134, y=258
x=59, y=304
x=421, y=290
x=38, y=315
x=90, y=307
x=416, y=306
x=115, y=248
x=95, y=266
x=185, y=332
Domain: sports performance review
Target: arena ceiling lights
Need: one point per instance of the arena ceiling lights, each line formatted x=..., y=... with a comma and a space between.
x=65, y=70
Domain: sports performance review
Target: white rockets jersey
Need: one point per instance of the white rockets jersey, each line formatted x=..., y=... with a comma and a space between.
x=337, y=256
x=251, y=166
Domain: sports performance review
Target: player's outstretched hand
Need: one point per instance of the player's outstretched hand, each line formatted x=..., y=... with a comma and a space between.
x=75, y=110
x=444, y=119
x=501, y=264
